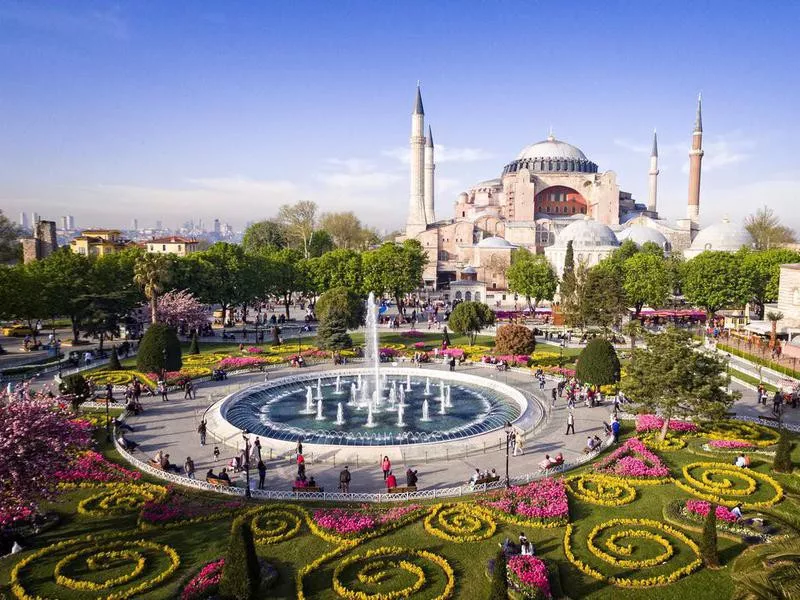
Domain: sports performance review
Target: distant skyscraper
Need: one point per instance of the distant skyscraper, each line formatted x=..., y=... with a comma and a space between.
x=64, y=223
x=70, y=222
x=158, y=225
x=216, y=226
x=23, y=220
x=135, y=224
x=34, y=219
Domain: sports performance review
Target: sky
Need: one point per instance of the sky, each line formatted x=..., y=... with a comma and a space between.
x=171, y=111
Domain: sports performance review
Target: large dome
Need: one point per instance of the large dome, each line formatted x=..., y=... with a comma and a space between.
x=552, y=148
x=641, y=234
x=494, y=242
x=724, y=236
x=587, y=233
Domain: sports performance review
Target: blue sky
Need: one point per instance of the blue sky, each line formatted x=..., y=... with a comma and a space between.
x=174, y=110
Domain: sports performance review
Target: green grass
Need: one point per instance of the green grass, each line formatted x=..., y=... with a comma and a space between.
x=752, y=380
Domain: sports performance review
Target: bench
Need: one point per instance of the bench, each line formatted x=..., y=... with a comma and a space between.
x=156, y=465
x=402, y=490
x=308, y=489
x=486, y=480
x=219, y=482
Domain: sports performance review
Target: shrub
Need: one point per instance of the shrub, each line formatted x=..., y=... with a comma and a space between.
x=708, y=543
x=514, y=339
x=445, y=336
x=158, y=339
x=77, y=387
x=783, y=454
x=499, y=590
x=276, y=336
x=332, y=333
x=113, y=362
x=598, y=363
x=241, y=572
x=194, y=347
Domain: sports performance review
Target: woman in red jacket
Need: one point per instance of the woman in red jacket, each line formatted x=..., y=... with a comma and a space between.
x=386, y=465
x=391, y=481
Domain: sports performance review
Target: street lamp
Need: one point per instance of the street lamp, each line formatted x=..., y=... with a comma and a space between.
x=164, y=367
x=246, y=439
x=509, y=430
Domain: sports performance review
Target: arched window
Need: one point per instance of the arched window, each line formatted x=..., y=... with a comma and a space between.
x=468, y=296
x=458, y=295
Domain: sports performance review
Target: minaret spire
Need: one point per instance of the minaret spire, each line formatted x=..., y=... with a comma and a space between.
x=695, y=162
x=653, y=177
x=418, y=108
x=698, y=120
x=430, y=167
x=417, y=222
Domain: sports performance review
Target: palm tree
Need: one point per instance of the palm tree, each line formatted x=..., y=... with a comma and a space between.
x=633, y=329
x=773, y=317
x=151, y=273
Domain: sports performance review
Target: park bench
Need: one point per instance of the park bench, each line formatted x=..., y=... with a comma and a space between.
x=308, y=489
x=155, y=464
x=403, y=489
x=486, y=480
x=219, y=482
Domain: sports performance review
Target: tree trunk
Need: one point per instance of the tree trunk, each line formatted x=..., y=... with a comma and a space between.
x=153, y=303
x=75, y=331
x=664, y=428
x=287, y=298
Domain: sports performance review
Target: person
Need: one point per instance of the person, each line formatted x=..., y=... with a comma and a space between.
x=391, y=481
x=554, y=395
x=126, y=444
x=162, y=389
x=223, y=475
x=216, y=452
x=211, y=474
x=546, y=463
x=570, y=423
x=452, y=363
x=299, y=446
x=262, y=473
x=168, y=466
x=188, y=466
x=589, y=445
x=159, y=457
x=741, y=462
x=301, y=466
x=255, y=451
x=312, y=482
x=526, y=548
x=737, y=512
x=523, y=539
x=777, y=399
x=201, y=429
x=187, y=390
x=344, y=480
x=518, y=439
x=16, y=548
x=109, y=392
x=597, y=442
x=474, y=479
x=386, y=466
x=122, y=425
x=615, y=426
x=411, y=478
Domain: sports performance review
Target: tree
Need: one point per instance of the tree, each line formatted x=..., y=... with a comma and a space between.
x=783, y=454
x=469, y=318
x=288, y=273
x=708, y=542
x=646, y=281
x=102, y=315
x=321, y=242
x=569, y=259
x=332, y=332
x=264, y=234
x=499, y=590
x=714, y=280
x=241, y=572
x=66, y=279
x=533, y=278
x=76, y=389
x=37, y=439
x=573, y=294
x=762, y=270
x=299, y=221
x=194, y=347
x=335, y=268
x=598, y=363
x=177, y=307
x=10, y=247
x=633, y=329
x=766, y=229
x=671, y=379
x=159, y=350
x=514, y=339
x=151, y=273
x=347, y=231
x=338, y=310
x=603, y=301
x=225, y=275
x=394, y=269
x=113, y=362
x=773, y=317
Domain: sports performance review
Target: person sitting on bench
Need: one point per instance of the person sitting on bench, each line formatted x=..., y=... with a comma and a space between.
x=411, y=478
x=311, y=482
x=223, y=475
x=126, y=444
x=210, y=474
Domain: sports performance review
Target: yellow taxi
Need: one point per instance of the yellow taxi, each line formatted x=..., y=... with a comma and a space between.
x=17, y=331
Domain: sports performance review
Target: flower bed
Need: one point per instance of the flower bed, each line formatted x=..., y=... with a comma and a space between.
x=350, y=523
x=728, y=485
x=668, y=444
x=276, y=523
x=460, y=523
x=528, y=574
x=92, y=466
x=103, y=377
x=205, y=584
x=542, y=503
x=412, y=333
x=730, y=444
x=757, y=435
x=602, y=490
x=701, y=508
x=177, y=509
x=632, y=459
x=116, y=498
x=646, y=423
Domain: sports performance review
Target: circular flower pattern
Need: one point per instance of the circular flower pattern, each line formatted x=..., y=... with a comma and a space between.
x=203, y=360
x=729, y=485
x=460, y=523
x=119, y=498
x=602, y=489
x=278, y=523
x=394, y=571
x=758, y=435
x=670, y=443
x=627, y=546
x=118, y=569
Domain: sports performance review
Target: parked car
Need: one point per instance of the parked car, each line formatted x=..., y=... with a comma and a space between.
x=17, y=331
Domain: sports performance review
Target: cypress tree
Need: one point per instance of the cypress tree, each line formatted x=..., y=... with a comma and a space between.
x=194, y=347
x=598, y=363
x=499, y=590
x=569, y=260
x=113, y=362
x=332, y=332
x=783, y=454
x=708, y=544
x=241, y=571
x=159, y=349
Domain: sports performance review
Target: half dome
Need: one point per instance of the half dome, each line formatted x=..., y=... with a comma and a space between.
x=494, y=242
x=587, y=233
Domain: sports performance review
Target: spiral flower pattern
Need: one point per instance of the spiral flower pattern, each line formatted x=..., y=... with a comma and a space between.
x=626, y=547
x=107, y=568
x=460, y=522
x=203, y=360
x=758, y=435
x=119, y=498
x=729, y=485
x=602, y=490
x=273, y=524
x=390, y=573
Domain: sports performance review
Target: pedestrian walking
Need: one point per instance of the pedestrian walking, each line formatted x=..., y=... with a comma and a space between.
x=255, y=452
x=386, y=466
x=452, y=363
x=554, y=395
x=262, y=473
x=162, y=389
x=216, y=452
x=299, y=446
x=615, y=426
x=188, y=466
x=109, y=392
x=518, y=440
x=344, y=480
x=570, y=423
x=201, y=429
x=188, y=389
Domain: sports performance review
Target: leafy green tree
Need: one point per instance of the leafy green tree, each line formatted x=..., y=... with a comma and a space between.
x=241, y=573
x=633, y=329
x=66, y=279
x=342, y=301
x=332, y=332
x=469, y=318
x=225, y=275
x=714, y=280
x=573, y=295
x=598, y=363
x=708, y=542
x=288, y=273
x=766, y=230
x=670, y=378
x=102, y=314
x=782, y=462
x=394, y=269
x=514, y=339
x=77, y=388
x=264, y=235
x=347, y=231
x=569, y=259
x=10, y=247
x=321, y=242
x=646, y=281
x=762, y=270
x=332, y=269
x=603, y=300
x=151, y=273
x=533, y=278
x=160, y=349
x=25, y=292
x=299, y=222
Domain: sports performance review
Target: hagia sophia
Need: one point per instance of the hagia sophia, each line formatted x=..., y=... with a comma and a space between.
x=550, y=194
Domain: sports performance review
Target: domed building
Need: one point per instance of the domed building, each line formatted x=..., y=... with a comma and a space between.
x=591, y=243
x=641, y=234
x=723, y=236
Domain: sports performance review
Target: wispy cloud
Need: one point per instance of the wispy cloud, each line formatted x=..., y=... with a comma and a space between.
x=108, y=22
x=356, y=175
x=443, y=154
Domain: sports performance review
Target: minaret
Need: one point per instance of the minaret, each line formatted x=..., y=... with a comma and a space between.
x=695, y=159
x=430, y=167
x=416, y=203
x=653, y=173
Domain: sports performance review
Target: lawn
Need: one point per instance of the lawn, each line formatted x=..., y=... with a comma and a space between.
x=321, y=555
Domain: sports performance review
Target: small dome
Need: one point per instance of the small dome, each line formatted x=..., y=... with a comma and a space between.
x=469, y=270
x=489, y=183
x=641, y=234
x=724, y=236
x=587, y=233
x=494, y=242
x=552, y=148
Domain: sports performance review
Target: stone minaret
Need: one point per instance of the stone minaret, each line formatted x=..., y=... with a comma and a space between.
x=430, y=167
x=653, y=173
x=416, y=203
x=695, y=159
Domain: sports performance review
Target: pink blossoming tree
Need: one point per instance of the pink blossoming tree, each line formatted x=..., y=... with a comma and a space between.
x=180, y=306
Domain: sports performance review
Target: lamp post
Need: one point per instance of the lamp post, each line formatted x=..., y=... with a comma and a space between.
x=246, y=439
x=164, y=367
x=509, y=430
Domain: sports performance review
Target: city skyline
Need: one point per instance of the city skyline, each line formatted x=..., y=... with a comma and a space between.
x=166, y=113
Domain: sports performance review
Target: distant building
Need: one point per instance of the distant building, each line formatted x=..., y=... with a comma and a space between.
x=99, y=242
x=179, y=246
x=70, y=222
x=42, y=244
x=135, y=225
x=158, y=225
x=34, y=218
x=23, y=220
x=216, y=226
x=64, y=223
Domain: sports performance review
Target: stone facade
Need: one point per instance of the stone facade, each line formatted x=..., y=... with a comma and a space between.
x=42, y=244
